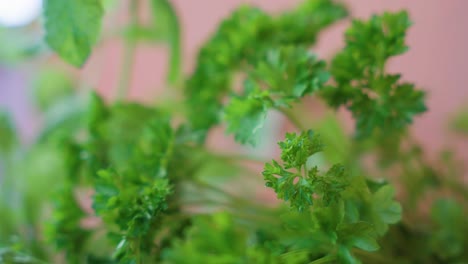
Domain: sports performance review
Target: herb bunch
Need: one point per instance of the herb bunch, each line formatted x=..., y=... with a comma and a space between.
x=160, y=194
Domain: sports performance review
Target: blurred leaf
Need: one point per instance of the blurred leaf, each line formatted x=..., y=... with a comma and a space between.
x=18, y=45
x=377, y=100
x=72, y=28
x=282, y=77
x=52, y=85
x=211, y=239
x=167, y=28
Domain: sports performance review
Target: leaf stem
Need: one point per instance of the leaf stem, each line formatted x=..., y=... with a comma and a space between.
x=128, y=56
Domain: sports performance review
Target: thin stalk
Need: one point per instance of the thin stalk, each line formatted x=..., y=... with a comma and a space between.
x=128, y=56
x=293, y=118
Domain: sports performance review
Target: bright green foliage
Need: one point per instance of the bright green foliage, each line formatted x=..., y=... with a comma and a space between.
x=7, y=133
x=384, y=209
x=350, y=214
x=72, y=28
x=289, y=73
x=129, y=171
x=377, y=100
x=132, y=194
x=135, y=183
x=244, y=40
x=282, y=77
x=295, y=150
x=135, y=208
x=298, y=187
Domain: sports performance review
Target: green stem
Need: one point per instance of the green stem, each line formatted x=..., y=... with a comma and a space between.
x=293, y=118
x=128, y=56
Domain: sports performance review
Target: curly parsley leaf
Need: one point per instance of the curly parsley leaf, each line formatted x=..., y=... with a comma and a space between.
x=246, y=115
x=244, y=39
x=282, y=77
x=140, y=184
x=298, y=187
x=72, y=28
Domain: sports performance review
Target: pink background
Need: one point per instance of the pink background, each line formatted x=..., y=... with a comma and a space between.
x=437, y=60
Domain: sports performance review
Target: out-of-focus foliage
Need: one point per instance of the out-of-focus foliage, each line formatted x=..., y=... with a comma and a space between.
x=18, y=46
x=124, y=182
x=7, y=133
x=52, y=86
x=73, y=27
x=281, y=78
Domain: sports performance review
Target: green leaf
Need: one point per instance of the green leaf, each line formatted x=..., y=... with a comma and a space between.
x=167, y=28
x=290, y=72
x=361, y=235
x=72, y=28
x=377, y=100
x=296, y=149
x=298, y=187
x=246, y=115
